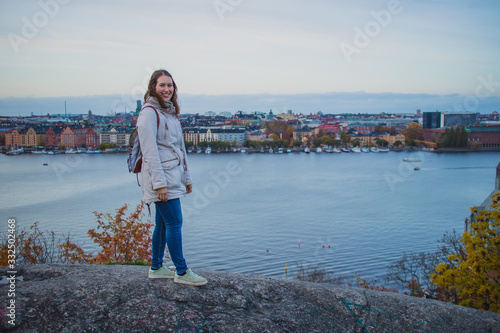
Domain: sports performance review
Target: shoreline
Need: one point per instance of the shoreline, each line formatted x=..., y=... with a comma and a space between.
x=257, y=151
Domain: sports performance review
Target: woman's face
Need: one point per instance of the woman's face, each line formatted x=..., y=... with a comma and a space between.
x=165, y=87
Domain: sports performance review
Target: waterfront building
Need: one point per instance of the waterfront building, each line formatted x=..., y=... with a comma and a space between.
x=12, y=137
x=209, y=135
x=256, y=136
x=327, y=129
x=433, y=134
x=91, y=138
x=459, y=119
x=362, y=127
x=233, y=135
x=487, y=136
x=28, y=137
x=439, y=119
x=302, y=133
x=431, y=120
x=53, y=137
x=191, y=135
x=365, y=140
x=391, y=137
x=68, y=137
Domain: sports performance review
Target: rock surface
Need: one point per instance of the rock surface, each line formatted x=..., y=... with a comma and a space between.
x=92, y=298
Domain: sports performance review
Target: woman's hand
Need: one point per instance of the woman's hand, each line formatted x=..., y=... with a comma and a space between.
x=162, y=194
x=189, y=188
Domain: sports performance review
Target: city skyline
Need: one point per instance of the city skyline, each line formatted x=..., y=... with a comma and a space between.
x=252, y=55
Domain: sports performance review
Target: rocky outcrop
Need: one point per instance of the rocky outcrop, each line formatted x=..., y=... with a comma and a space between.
x=91, y=298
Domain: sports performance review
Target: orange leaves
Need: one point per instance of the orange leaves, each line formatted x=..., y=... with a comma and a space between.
x=123, y=240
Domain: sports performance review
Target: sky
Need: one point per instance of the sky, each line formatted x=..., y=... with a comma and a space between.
x=228, y=55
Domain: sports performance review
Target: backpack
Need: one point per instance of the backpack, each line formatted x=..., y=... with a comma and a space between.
x=134, y=160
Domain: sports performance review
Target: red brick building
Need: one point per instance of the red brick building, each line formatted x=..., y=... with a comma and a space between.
x=53, y=137
x=488, y=136
x=431, y=135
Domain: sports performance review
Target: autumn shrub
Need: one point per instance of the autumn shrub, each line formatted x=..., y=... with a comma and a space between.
x=317, y=275
x=34, y=246
x=123, y=240
x=472, y=277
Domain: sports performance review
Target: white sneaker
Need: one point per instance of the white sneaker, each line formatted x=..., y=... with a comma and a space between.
x=161, y=273
x=190, y=278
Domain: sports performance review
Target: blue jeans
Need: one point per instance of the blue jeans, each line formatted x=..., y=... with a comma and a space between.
x=168, y=232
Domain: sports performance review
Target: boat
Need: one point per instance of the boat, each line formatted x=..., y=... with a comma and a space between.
x=319, y=150
x=407, y=159
x=15, y=152
x=346, y=150
x=356, y=150
x=306, y=150
x=374, y=150
x=39, y=152
x=271, y=150
x=93, y=152
x=383, y=150
x=336, y=150
x=328, y=150
x=288, y=151
x=280, y=150
x=208, y=150
x=365, y=150
x=45, y=164
x=70, y=151
x=198, y=151
x=243, y=150
x=416, y=168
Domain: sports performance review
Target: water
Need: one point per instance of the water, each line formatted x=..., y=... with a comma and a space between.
x=247, y=213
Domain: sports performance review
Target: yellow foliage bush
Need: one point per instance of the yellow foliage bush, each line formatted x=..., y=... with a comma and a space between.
x=473, y=278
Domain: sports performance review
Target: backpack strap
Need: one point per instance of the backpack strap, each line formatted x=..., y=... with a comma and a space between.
x=157, y=116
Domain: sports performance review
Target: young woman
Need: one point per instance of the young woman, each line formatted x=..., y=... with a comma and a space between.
x=165, y=175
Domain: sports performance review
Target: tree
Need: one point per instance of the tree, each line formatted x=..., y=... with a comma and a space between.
x=398, y=143
x=289, y=133
x=414, y=131
x=472, y=278
x=382, y=143
x=274, y=137
x=464, y=137
x=412, y=272
x=344, y=137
